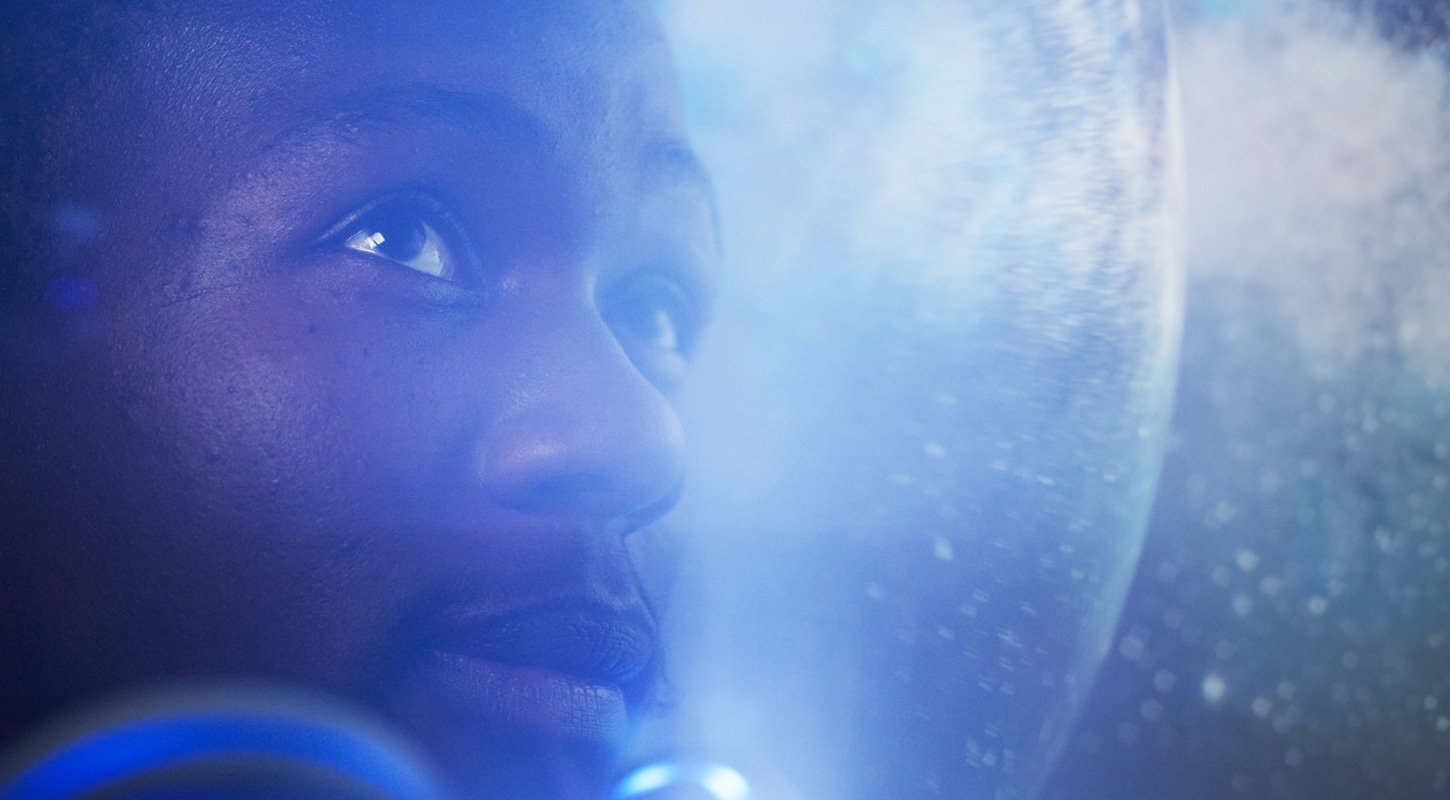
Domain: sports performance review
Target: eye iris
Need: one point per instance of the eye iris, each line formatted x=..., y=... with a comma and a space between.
x=398, y=239
x=652, y=318
x=402, y=235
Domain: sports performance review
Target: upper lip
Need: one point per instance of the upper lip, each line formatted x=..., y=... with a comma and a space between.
x=580, y=639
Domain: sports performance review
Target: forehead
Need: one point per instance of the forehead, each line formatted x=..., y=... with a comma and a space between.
x=592, y=76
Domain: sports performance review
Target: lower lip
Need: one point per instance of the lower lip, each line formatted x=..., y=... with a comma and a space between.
x=526, y=698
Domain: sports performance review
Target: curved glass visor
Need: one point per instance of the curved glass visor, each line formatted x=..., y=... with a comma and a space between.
x=928, y=424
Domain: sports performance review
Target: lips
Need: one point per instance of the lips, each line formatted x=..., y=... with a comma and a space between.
x=581, y=642
x=564, y=670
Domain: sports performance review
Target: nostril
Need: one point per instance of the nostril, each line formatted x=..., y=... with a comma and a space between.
x=572, y=490
x=568, y=493
x=645, y=515
x=622, y=496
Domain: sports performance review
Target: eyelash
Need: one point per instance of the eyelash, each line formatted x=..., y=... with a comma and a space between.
x=634, y=307
x=365, y=231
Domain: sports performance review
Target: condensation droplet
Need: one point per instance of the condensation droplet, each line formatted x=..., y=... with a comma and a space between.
x=1262, y=706
x=1214, y=688
x=942, y=548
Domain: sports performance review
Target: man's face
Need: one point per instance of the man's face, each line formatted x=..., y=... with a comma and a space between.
x=355, y=370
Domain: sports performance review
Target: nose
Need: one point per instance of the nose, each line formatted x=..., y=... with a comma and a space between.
x=582, y=433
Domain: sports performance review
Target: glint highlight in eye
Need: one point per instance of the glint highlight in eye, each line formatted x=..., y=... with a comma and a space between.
x=654, y=316
x=400, y=235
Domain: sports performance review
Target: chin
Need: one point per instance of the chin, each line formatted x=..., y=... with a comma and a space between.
x=533, y=702
x=488, y=762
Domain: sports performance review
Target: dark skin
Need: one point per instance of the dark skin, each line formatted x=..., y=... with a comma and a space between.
x=368, y=373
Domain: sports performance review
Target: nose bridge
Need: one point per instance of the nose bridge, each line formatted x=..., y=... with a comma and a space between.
x=582, y=432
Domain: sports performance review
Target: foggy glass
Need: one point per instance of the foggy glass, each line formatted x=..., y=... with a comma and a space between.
x=1286, y=633
x=927, y=424
x=949, y=323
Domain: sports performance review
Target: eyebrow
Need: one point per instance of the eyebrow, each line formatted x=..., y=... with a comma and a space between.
x=675, y=161
x=387, y=107
x=670, y=160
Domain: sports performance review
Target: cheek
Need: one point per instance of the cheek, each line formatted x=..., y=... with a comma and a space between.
x=294, y=410
x=340, y=432
x=270, y=451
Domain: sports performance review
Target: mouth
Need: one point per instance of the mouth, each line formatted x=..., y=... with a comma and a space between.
x=583, y=642
x=567, y=670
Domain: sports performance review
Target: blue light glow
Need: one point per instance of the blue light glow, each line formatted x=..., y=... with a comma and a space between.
x=722, y=782
x=129, y=750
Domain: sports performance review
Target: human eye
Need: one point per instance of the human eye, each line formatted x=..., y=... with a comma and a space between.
x=655, y=318
x=405, y=231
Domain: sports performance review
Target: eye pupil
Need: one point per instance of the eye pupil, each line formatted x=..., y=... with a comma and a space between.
x=398, y=232
x=653, y=318
x=400, y=240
